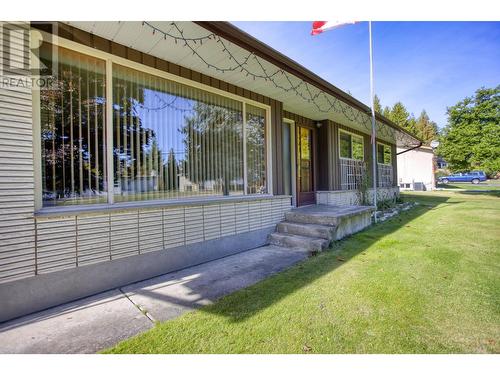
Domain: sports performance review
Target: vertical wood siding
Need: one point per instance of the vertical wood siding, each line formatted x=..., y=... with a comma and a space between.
x=17, y=229
x=394, y=156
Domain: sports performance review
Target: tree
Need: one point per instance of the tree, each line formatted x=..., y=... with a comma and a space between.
x=422, y=126
x=399, y=115
x=387, y=111
x=212, y=136
x=171, y=172
x=376, y=104
x=471, y=139
x=426, y=129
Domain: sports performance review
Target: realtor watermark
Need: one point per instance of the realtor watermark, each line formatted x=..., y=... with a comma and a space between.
x=24, y=49
x=27, y=82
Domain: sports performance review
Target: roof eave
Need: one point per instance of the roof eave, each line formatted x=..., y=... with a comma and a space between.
x=252, y=44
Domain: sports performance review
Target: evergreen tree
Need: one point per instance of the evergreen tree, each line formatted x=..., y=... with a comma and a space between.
x=399, y=115
x=386, y=111
x=426, y=129
x=376, y=104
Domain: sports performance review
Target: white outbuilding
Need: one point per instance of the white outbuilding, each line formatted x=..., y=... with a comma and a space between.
x=416, y=169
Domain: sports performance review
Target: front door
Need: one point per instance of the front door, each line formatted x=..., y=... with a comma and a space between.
x=305, y=177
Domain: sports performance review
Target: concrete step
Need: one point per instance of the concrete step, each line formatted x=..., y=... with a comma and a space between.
x=296, y=241
x=308, y=230
x=326, y=215
x=306, y=218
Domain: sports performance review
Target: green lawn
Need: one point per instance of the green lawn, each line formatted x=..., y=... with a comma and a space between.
x=487, y=185
x=427, y=281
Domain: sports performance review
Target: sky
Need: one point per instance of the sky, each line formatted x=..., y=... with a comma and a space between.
x=425, y=65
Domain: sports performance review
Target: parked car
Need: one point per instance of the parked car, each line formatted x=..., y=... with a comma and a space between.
x=474, y=177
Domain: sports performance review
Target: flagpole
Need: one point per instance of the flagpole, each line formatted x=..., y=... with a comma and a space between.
x=374, y=129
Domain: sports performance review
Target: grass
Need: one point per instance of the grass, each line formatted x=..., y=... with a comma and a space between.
x=426, y=281
x=493, y=185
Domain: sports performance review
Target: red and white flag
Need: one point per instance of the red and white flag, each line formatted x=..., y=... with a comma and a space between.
x=319, y=26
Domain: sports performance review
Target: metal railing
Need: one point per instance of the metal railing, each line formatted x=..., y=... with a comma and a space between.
x=384, y=173
x=351, y=173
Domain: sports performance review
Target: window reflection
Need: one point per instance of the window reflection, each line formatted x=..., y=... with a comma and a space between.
x=174, y=141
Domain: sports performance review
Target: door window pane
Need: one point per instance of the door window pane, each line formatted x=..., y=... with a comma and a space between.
x=73, y=130
x=305, y=164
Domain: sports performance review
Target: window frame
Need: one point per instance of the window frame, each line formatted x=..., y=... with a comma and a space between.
x=111, y=59
x=352, y=135
x=390, y=150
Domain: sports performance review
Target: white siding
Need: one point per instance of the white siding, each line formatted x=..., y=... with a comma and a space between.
x=17, y=227
x=416, y=166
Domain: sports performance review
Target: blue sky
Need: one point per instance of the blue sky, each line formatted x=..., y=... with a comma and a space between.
x=426, y=65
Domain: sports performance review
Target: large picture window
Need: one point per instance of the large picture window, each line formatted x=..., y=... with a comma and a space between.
x=72, y=128
x=170, y=140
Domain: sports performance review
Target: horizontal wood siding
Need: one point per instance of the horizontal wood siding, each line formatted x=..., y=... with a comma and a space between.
x=17, y=227
x=77, y=240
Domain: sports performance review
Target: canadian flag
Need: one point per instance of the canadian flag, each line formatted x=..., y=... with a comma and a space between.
x=319, y=26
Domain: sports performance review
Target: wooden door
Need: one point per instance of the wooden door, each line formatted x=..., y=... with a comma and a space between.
x=305, y=176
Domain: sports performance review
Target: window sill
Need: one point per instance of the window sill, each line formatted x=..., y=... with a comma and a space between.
x=124, y=206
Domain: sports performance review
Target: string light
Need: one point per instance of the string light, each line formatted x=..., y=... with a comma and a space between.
x=329, y=102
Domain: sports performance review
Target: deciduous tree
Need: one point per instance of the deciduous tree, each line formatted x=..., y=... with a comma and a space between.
x=471, y=139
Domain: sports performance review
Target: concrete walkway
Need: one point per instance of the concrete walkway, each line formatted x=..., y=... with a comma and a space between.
x=98, y=322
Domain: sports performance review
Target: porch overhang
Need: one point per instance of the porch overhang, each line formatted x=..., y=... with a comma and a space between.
x=222, y=51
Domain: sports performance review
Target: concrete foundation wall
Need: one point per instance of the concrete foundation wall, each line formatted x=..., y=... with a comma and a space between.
x=43, y=291
x=353, y=224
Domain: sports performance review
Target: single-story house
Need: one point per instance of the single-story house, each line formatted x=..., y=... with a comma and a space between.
x=131, y=149
x=416, y=168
